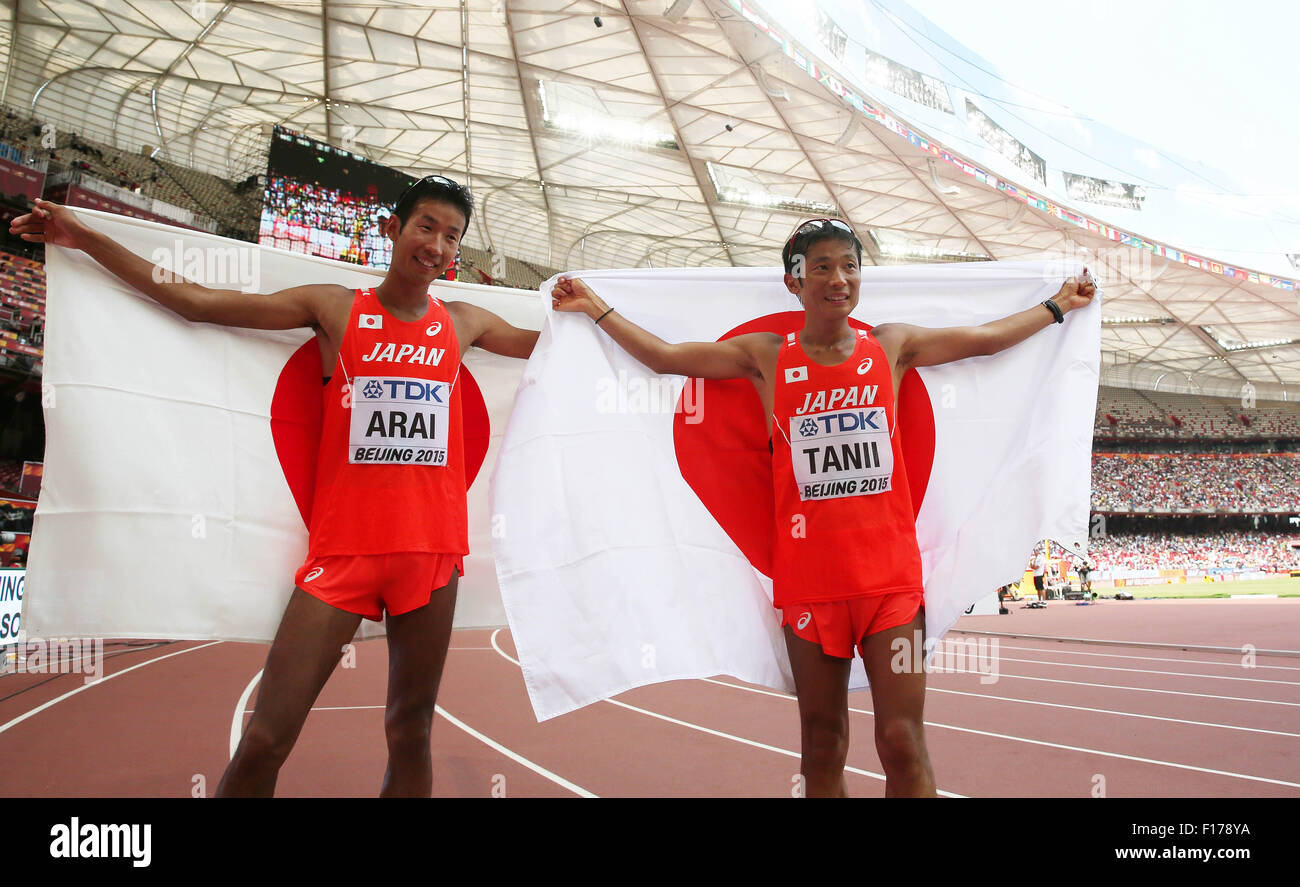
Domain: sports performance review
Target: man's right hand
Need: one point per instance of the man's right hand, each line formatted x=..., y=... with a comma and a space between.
x=51, y=224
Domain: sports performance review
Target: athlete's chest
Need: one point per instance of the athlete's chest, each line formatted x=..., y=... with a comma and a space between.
x=369, y=338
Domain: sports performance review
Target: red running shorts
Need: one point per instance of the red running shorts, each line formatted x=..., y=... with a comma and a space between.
x=840, y=627
x=369, y=584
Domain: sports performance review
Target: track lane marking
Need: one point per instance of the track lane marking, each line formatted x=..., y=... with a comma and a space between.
x=740, y=739
x=1042, y=742
x=97, y=681
x=241, y=709
x=1145, y=658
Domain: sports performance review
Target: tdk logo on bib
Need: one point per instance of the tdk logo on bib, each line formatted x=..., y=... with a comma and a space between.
x=843, y=422
x=841, y=453
x=407, y=390
x=399, y=422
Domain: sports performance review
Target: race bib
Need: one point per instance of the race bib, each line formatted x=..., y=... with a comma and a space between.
x=841, y=453
x=398, y=421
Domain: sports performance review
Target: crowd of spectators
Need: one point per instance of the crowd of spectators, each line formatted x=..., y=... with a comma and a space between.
x=325, y=222
x=1201, y=551
x=1253, y=482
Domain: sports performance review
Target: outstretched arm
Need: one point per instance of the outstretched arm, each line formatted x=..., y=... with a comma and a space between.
x=299, y=306
x=917, y=346
x=478, y=326
x=729, y=359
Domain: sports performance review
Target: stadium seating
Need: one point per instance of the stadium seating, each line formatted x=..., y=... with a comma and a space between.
x=1200, y=551
x=1176, y=482
x=1144, y=415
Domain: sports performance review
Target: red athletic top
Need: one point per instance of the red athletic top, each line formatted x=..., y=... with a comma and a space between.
x=844, y=521
x=391, y=471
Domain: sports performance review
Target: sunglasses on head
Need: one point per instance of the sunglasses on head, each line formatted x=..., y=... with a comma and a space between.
x=432, y=180
x=817, y=226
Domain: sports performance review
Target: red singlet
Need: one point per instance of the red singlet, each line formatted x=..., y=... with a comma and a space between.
x=844, y=522
x=391, y=471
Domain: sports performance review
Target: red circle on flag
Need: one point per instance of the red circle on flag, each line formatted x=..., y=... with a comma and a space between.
x=297, y=414
x=720, y=435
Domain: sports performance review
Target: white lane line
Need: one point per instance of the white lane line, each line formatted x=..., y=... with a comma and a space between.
x=1025, y=677
x=237, y=722
x=750, y=742
x=97, y=681
x=517, y=758
x=242, y=708
x=1089, y=751
x=1187, y=648
x=1107, y=711
x=958, y=645
x=1177, y=674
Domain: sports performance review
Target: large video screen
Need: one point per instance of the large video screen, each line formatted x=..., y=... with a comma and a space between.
x=325, y=201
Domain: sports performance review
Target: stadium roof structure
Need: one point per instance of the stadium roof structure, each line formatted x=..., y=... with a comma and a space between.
x=682, y=132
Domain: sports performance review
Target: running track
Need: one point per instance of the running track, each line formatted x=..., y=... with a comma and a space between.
x=1060, y=719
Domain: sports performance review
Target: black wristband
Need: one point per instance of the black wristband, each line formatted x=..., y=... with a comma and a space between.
x=602, y=317
x=1056, y=311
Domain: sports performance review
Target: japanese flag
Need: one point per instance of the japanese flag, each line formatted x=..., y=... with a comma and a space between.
x=639, y=510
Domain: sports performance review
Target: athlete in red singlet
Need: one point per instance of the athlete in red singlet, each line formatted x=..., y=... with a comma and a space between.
x=388, y=528
x=852, y=580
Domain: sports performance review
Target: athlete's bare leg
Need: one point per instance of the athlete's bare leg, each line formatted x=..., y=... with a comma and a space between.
x=899, y=701
x=417, y=651
x=307, y=646
x=822, y=685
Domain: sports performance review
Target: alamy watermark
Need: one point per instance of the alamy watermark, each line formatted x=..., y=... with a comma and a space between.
x=83, y=656
x=232, y=267
x=968, y=655
x=628, y=393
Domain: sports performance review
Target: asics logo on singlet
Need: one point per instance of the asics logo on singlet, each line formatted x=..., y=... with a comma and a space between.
x=434, y=328
x=314, y=574
x=803, y=621
x=373, y=389
x=864, y=367
x=808, y=428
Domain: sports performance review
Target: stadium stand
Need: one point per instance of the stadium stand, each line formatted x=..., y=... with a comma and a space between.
x=1144, y=415
x=1195, y=483
x=1202, y=551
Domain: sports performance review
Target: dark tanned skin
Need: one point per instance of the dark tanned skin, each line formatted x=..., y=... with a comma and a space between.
x=829, y=294
x=312, y=634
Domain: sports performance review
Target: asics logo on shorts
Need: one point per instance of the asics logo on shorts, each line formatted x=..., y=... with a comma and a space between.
x=864, y=367
x=803, y=621
x=314, y=574
x=434, y=328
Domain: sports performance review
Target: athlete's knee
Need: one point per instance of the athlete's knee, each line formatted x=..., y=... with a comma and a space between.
x=900, y=742
x=263, y=745
x=826, y=737
x=408, y=727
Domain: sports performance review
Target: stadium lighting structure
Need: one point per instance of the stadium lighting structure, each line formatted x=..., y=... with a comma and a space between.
x=677, y=11
x=946, y=190
x=576, y=110
x=897, y=245
x=850, y=129
x=1233, y=345
x=1136, y=321
x=740, y=187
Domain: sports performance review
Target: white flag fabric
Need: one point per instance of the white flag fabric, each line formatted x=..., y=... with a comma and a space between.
x=167, y=508
x=633, y=511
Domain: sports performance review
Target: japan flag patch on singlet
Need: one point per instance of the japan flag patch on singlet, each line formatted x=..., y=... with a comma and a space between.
x=841, y=453
x=399, y=421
